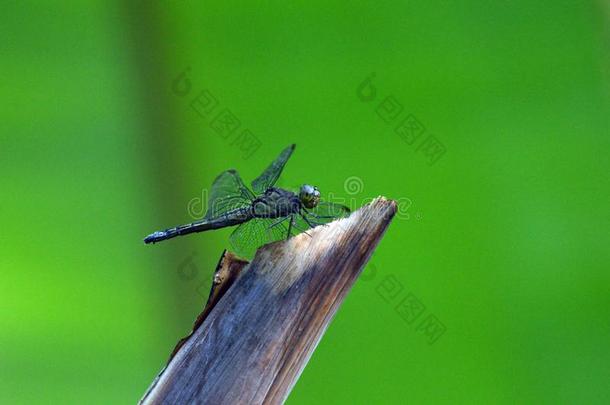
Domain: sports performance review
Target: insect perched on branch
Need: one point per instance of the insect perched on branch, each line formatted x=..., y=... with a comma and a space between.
x=263, y=214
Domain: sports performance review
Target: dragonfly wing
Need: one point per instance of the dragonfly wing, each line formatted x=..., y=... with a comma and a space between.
x=272, y=173
x=251, y=235
x=228, y=192
x=326, y=212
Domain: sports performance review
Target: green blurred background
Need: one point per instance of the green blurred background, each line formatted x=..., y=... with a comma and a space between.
x=504, y=239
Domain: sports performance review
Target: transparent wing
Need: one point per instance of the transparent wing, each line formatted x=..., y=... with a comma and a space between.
x=251, y=235
x=272, y=173
x=326, y=212
x=302, y=224
x=228, y=192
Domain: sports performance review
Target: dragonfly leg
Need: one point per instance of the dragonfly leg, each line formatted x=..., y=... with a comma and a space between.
x=321, y=216
x=310, y=222
x=290, y=227
x=299, y=229
x=318, y=216
x=274, y=224
x=279, y=221
x=311, y=225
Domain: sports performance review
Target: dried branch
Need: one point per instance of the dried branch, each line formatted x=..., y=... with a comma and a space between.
x=250, y=346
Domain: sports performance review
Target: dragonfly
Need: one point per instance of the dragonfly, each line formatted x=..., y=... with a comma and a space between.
x=263, y=214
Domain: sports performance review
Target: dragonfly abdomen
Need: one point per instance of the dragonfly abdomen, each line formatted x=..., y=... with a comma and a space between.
x=234, y=217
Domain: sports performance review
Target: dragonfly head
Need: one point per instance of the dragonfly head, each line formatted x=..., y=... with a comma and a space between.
x=309, y=196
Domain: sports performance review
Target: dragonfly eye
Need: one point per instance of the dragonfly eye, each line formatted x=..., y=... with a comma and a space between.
x=309, y=196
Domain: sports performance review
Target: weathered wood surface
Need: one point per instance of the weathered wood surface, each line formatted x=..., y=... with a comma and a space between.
x=252, y=344
x=228, y=269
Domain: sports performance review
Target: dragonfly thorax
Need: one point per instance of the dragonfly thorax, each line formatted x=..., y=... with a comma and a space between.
x=276, y=203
